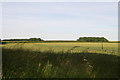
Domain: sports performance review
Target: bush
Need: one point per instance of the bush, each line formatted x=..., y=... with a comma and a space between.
x=2, y=42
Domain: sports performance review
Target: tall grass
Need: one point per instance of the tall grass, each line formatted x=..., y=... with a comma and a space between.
x=20, y=63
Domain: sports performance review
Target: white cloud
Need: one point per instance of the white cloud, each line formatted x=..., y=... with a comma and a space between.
x=60, y=20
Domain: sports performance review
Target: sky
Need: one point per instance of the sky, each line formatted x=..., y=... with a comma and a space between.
x=59, y=0
x=60, y=20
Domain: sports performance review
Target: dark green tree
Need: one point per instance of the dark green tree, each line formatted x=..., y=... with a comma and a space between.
x=92, y=39
x=30, y=39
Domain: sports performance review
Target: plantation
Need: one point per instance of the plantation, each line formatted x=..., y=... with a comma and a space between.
x=60, y=60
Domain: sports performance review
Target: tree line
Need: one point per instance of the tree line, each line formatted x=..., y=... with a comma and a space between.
x=81, y=39
x=92, y=39
x=30, y=39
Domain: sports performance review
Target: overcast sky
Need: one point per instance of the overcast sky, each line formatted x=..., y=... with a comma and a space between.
x=60, y=21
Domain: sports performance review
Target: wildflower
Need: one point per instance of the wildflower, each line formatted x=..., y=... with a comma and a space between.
x=85, y=60
x=90, y=66
x=39, y=65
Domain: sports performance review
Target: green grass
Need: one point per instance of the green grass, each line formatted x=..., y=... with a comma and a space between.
x=24, y=64
x=60, y=60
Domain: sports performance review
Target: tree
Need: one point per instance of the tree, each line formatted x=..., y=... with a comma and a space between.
x=30, y=39
x=92, y=39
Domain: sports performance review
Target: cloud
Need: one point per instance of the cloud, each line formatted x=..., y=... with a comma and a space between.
x=60, y=20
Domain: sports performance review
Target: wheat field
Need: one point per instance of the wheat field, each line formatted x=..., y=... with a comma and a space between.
x=106, y=48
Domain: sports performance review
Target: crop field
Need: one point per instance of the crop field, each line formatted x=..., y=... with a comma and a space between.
x=60, y=60
x=106, y=48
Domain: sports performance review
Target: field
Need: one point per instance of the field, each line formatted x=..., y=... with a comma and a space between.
x=106, y=48
x=60, y=60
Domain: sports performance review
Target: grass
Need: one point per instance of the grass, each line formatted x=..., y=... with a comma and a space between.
x=29, y=60
x=108, y=48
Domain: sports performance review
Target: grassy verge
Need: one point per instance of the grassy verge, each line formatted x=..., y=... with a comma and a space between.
x=20, y=63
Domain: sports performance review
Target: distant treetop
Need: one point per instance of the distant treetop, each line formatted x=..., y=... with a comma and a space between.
x=92, y=39
x=30, y=39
